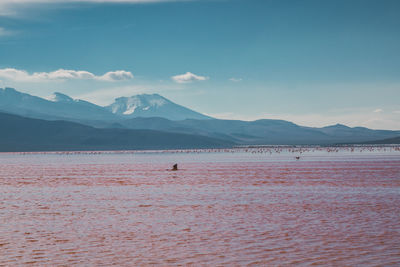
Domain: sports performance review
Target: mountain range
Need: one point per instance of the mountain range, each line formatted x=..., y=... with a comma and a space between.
x=61, y=106
x=119, y=125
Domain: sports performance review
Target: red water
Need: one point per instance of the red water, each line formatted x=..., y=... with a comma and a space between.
x=219, y=209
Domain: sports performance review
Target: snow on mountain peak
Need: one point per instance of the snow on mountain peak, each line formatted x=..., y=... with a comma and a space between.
x=128, y=105
x=151, y=105
x=59, y=97
x=157, y=102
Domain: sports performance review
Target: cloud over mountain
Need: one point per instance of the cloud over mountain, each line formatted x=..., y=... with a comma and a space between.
x=62, y=75
x=188, y=77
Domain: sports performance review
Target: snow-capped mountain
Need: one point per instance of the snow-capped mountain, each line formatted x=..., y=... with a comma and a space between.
x=152, y=105
x=61, y=106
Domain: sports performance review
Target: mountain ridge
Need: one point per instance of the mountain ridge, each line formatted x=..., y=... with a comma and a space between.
x=259, y=132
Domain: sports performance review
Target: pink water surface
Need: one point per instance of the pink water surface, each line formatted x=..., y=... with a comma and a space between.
x=230, y=208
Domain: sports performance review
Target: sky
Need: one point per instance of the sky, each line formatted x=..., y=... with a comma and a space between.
x=312, y=62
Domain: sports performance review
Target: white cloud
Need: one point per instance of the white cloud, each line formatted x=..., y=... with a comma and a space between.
x=378, y=110
x=62, y=75
x=9, y=7
x=236, y=80
x=188, y=77
x=118, y=75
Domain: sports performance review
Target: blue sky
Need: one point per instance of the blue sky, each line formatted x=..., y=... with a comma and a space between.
x=312, y=62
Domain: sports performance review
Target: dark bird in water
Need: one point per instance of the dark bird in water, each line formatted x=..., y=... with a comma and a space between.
x=298, y=157
x=175, y=167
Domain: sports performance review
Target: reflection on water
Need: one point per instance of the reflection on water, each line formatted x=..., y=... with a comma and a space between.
x=233, y=207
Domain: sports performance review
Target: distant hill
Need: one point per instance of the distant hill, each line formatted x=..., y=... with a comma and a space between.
x=262, y=131
x=26, y=134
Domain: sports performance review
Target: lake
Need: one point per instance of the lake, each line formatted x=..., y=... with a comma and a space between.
x=260, y=206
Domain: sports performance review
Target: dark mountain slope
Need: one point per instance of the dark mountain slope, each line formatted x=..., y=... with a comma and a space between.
x=25, y=134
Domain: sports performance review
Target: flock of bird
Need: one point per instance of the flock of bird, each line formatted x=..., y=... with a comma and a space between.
x=299, y=150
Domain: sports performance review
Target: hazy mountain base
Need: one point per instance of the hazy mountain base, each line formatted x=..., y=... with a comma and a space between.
x=395, y=140
x=26, y=134
x=262, y=132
